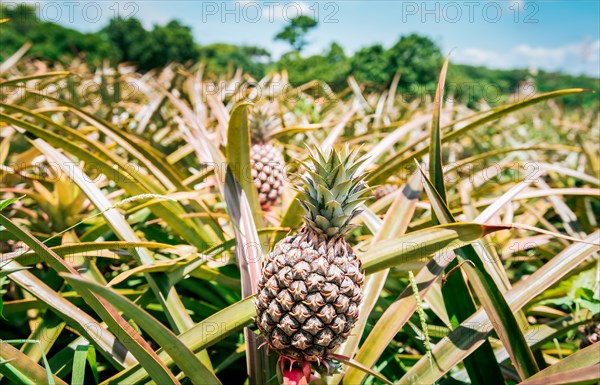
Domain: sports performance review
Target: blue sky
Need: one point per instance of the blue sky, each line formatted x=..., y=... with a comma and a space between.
x=549, y=35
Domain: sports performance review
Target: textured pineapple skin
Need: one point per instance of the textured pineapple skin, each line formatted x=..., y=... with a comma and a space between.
x=267, y=173
x=309, y=295
x=592, y=333
x=384, y=190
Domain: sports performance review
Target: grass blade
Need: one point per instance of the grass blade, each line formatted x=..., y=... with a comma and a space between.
x=481, y=367
x=46, y=332
x=490, y=297
x=25, y=79
x=19, y=367
x=586, y=361
x=579, y=376
x=423, y=243
x=79, y=361
x=394, y=224
x=183, y=357
x=167, y=296
x=115, y=351
x=436, y=172
x=238, y=156
x=465, y=339
x=358, y=366
x=203, y=335
x=249, y=258
x=395, y=163
x=7, y=202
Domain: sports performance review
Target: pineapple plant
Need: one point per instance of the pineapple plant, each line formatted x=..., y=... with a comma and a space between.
x=311, y=284
x=266, y=159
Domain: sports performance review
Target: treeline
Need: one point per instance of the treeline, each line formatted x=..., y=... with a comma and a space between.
x=416, y=57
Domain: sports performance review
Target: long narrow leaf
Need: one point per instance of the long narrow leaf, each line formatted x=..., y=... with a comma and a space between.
x=203, y=335
x=24, y=79
x=396, y=162
x=249, y=257
x=436, y=173
x=585, y=360
x=24, y=365
x=471, y=333
x=423, y=243
x=116, y=351
x=482, y=367
x=183, y=357
x=491, y=299
x=174, y=309
x=394, y=224
x=238, y=156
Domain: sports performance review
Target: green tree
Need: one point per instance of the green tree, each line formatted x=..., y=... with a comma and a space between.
x=172, y=42
x=295, y=32
x=51, y=42
x=129, y=39
x=22, y=17
x=333, y=67
x=370, y=65
x=418, y=58
x=221, y=58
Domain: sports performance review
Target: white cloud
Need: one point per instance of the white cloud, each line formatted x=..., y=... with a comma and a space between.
x=581, y=57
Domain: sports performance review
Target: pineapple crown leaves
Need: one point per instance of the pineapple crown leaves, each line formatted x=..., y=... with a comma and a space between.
x=332, y=191
x=263, y=121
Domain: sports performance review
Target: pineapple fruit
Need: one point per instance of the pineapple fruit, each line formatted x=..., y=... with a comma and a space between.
x=591, y=332
x=311, y=284
x=267, y=161
x=384, y=190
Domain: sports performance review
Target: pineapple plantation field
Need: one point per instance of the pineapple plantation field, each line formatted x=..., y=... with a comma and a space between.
x=175, y=228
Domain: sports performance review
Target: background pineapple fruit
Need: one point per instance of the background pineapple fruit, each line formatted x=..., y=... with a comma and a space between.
x=591, y=332
x=311, y=284
x=386, y=189
x=267, y=161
